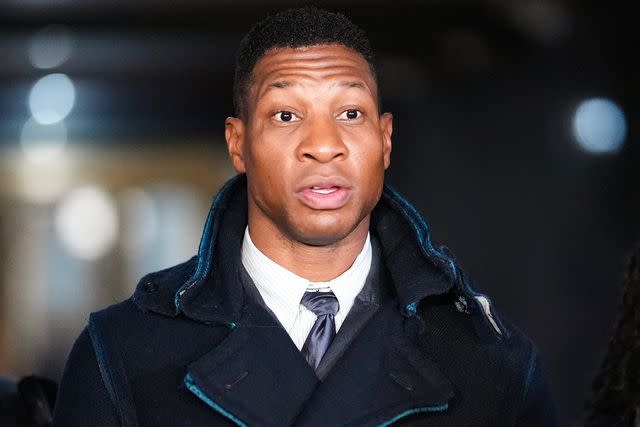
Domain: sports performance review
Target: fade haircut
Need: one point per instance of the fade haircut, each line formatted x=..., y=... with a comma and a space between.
x=293, y=28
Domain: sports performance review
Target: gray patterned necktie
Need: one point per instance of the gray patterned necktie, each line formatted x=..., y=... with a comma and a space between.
x=325, y=306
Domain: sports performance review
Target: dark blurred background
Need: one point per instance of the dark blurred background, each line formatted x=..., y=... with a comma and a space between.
x=516, y=126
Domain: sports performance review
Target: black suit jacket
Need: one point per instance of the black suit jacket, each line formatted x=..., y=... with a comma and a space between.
x=192, y=347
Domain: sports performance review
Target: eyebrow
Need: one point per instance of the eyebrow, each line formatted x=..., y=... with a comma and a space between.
x=358, y=85
x=353, y=84
x=280, y=84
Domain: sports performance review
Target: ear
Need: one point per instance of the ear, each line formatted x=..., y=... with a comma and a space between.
x=386, y=127
x=234, y=134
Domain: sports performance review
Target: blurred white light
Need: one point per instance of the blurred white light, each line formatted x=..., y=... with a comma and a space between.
x=140, y=222
x=599, y=126
x=50, y=47
x=180, y=211
x=43, y=143
x=52, y=98
x=43, y=182
x=86, y=222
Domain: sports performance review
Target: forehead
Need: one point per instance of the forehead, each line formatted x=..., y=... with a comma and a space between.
x=312, y=64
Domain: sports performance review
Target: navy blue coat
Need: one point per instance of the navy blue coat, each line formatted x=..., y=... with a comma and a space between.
x=190, y=347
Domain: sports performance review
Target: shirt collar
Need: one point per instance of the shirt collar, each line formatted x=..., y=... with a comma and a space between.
x=348, y=285
x=282, y=290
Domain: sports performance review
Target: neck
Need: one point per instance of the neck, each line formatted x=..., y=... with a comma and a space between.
x=316, y=263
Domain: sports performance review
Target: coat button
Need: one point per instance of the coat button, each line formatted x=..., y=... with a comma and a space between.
x=150, y=287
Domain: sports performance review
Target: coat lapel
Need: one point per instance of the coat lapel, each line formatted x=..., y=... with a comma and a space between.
x=381, y=378
x=256, y=376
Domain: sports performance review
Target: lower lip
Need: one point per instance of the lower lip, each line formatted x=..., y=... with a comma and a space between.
x=334, y=200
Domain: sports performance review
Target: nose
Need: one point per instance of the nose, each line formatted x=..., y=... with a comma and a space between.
x=322, y=141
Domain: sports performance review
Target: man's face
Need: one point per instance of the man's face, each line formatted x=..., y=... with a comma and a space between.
x=313, y=144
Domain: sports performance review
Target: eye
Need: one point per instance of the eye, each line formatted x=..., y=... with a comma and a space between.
x=285, y=116
x=350, y=114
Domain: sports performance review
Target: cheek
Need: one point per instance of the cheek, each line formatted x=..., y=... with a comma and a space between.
x=371, y=168
x=270, y=145
x=369, y=158
x=266, y=170
x=260, y=156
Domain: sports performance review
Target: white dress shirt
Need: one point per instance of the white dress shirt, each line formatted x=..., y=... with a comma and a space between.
x=282, y=290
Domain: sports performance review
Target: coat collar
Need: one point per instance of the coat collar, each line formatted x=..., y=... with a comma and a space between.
x=383, y=367
x=205, y=287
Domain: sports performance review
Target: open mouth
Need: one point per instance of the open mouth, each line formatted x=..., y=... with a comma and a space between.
x=320, y=195
x=324, y=190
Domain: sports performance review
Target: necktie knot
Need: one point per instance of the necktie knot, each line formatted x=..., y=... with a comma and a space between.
x=325, y=306
x=320, y=303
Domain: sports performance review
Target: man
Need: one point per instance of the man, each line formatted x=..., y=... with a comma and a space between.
x=317, y=297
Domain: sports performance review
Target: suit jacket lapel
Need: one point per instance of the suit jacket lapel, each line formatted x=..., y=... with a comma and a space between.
x=381, y=377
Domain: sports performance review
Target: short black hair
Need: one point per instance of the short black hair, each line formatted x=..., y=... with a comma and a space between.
x=292, y=28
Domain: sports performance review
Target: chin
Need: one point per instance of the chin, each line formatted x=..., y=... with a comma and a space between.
x=321, y=239
x=324, y=233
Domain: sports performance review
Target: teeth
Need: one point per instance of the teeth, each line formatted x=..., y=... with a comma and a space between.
x=321, y=190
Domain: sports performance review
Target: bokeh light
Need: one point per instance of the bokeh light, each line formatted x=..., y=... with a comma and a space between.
x=52, y=98
x=86, y=222
x=43, y=183
x=140, y=220
x=50, y=47
x=599, y=126
x=43, y=143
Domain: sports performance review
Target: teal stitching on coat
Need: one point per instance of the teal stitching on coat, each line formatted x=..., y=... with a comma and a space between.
x=127, y=417
x=422, y=230
x=191, y=385
x=414, y=411
x=101, y=358
x=205, y=249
